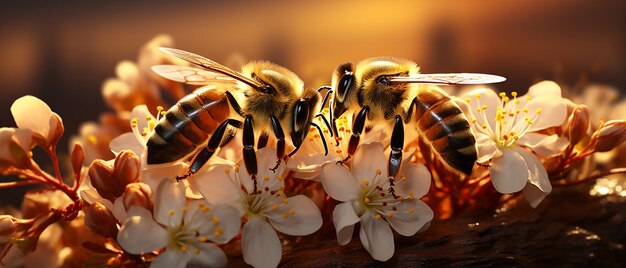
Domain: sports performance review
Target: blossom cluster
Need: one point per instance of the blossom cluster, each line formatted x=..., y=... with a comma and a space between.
x=109, y=207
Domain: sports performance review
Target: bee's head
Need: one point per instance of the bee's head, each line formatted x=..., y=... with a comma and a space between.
x=373, y=74
x=344, y=89
x=281, y=88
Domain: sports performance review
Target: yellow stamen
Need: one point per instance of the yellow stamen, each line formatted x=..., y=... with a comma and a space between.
x=389, y=215
x=538, y=110
x=92, y=139
x=292, y=211
x=216, y=220
x=514, y=94
x=275, y=207
x=218, y=232
x=285, y=215
x=266, y=178
x=203, y=239
x=366, y=200
x=410, y=210
x=196, y=251
x=171, y=212
x=365, y=182
x=183, y=248
x=378, y=216
x=378, y=171
x=227, y=171
x=285, y=200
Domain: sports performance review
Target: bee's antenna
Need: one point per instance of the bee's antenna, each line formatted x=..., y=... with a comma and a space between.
x=326, y=123
x=324, y=87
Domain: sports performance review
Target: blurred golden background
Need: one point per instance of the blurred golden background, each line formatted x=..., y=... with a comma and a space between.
x=62, y=51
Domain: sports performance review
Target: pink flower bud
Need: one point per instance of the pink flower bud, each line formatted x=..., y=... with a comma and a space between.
x=77, y=158
x=137, y=194
x=126, y=168
x=7, y=228
x=15, y=147
x=56, y=129
x=100, y=220
x=611, y=135
x=101, y=175
x=578, y=124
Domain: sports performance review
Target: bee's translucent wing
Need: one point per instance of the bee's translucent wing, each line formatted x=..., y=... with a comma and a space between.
x=449, y=79
x=211, y=65
x=192, y=76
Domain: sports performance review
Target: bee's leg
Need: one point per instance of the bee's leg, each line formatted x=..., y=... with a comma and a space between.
x=357, y=129
x=395, y=157
x=206, y=153
x=249, y=155
x=409, y=113
x=263, y=139
x=280, y=143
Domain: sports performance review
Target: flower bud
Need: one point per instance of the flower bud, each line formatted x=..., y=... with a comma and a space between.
x=578, y=124
x=126, y=168
x=15, y=147
x=7, y=228
x=137, y=194
x=56, y=129
x=611, y=135
x=100, y=220
x=77, y=158
x=101, y=175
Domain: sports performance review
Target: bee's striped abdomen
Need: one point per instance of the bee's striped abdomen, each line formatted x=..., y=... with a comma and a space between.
x=186, y=126
x=442, y=124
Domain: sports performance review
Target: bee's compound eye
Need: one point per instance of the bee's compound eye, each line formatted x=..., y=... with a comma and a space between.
x=344, y=84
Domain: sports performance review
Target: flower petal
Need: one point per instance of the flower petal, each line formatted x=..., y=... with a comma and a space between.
x=553, y=112
x=266, y=158
x=338, y=182
x=509, y=172
x=215, y=184
x=534, y=195
x=259, y=244
x=544, y=145
x=306, y=217
x=414, y=179
x=410, y=217
x=169, y=201
x=538, y=174
x=487, y=148
x=171, y=258
x=223, y=217
x=367, y=159
x=489, y=99
x=376, y=237
x=127, y=141
x=140, y=233
x=210, y=256
x=154, y=174
x=344, y=219
x=308, y=167
x=32, y=113
x=544, y=88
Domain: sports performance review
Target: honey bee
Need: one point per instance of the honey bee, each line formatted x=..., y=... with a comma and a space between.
x=391, y=90
x=263, y=96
